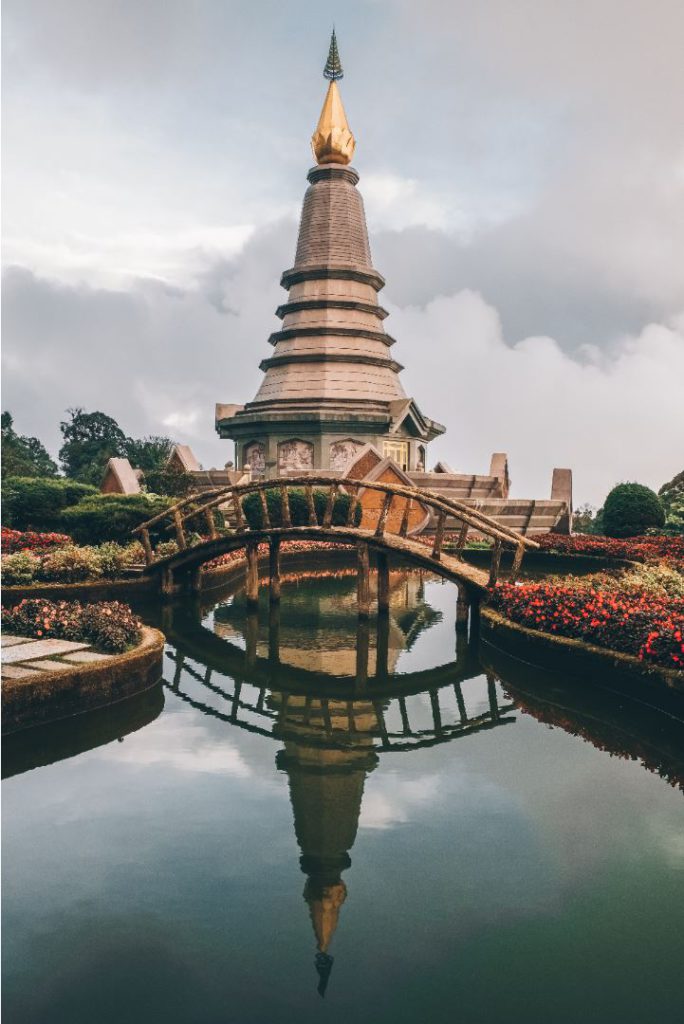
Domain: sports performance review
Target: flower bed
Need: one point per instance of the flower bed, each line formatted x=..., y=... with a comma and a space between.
x=18, y=540
x=286, y=546
x=644, y=623
x=635, y=549
x=107, y=625
x=69, y=563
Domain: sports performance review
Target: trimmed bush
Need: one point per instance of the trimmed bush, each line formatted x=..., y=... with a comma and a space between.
x=111, y=517
x=299, y=509
x=632, y=509
x=70, y=565
x=29, y=503
x=19, y=569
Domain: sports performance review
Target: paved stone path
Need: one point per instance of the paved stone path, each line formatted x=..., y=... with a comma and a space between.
x=23, y=657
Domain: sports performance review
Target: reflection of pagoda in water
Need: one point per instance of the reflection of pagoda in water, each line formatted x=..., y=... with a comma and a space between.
x=255, y=674
x=319, y=632
x=326, y=789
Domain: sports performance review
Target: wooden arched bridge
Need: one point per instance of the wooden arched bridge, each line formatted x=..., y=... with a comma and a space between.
x=385, y=517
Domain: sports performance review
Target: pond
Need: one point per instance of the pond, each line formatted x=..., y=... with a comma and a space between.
x=316, y=820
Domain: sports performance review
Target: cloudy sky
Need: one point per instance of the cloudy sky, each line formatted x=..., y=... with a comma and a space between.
x=522, y=164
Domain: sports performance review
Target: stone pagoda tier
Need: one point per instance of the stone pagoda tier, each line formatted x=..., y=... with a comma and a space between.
x=331, y=385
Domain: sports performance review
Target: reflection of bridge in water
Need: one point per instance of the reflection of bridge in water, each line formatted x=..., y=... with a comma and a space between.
x=333, y=728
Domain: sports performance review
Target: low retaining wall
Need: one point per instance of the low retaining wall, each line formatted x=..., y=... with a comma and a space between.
x=98, y=590
x=569, y=656
x=60, y=694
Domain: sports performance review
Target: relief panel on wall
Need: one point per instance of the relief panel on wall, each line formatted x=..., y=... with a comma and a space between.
x=295, y=456
x=255, y=458
x=342, y=453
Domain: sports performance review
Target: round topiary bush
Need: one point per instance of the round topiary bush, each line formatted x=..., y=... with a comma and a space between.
x=630, y=510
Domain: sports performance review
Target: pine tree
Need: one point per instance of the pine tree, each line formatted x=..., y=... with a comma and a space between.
x=333, y=66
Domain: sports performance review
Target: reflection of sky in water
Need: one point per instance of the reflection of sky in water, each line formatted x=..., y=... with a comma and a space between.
x=514, y=874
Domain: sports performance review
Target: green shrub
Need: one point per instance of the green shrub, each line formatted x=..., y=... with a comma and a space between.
x=299, y=509
x=70, y=565
x=29, y=503
x=630, y=510
x=19, y=569
x=112, y=559
x=106, y=517
x=165, y=548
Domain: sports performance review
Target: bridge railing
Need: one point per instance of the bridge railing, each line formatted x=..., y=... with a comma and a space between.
x=231, y=497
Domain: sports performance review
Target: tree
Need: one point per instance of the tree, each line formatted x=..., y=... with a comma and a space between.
x=23, y=456
x=587, y=519
x=90, y=440
x=672, y=496
x=149, y=453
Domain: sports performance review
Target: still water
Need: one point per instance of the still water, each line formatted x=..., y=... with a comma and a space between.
x=312, y=821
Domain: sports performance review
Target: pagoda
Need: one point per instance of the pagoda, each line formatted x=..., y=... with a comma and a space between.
x=331, y=386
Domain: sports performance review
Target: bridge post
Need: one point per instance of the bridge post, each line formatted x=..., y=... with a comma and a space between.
x=362, y=645
x=274, y=569
x=462, y=607
x=251, y=637
x=363, y=579
x=383, y=582
x=382, y=648
x=274, y=633
x=252, y=578
x=166, y=580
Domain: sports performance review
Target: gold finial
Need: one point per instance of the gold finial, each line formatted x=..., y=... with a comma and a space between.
x=333, y=142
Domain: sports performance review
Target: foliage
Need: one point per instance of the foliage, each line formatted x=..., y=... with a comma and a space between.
x=19, y=569
x=70, y=564
x=587, y=519
x=16, y=540
x=660, y=579
x=674, y=517
x=299, y=509
x=635, y=549
x=90, y=439
x=165, y=549
x=632, y=509
x=672, y=496
x=636, y=622
x=108, y=625
x=23, y=456
x=29, y=503
x=149, y=453
x=168, y=481
x=103, y=517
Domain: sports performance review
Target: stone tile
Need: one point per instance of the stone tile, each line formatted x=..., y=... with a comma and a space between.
x=39, y=649
x=80, y=657
x=17, y=672
x=46, y=665
x=12, y=641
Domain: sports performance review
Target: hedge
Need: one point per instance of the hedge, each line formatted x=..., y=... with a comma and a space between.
x=104, y=517
x=32, y=503
x=299, y=509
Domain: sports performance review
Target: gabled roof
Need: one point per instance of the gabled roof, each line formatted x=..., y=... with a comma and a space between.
x=126, y=478
x=403, y=410
x=184, y=454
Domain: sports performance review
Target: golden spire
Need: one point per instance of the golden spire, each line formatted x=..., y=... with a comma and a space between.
x=333, y=142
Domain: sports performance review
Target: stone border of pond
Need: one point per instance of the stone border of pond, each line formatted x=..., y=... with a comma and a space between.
x=62, y=693
x=96, y=590
x=553, y=652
